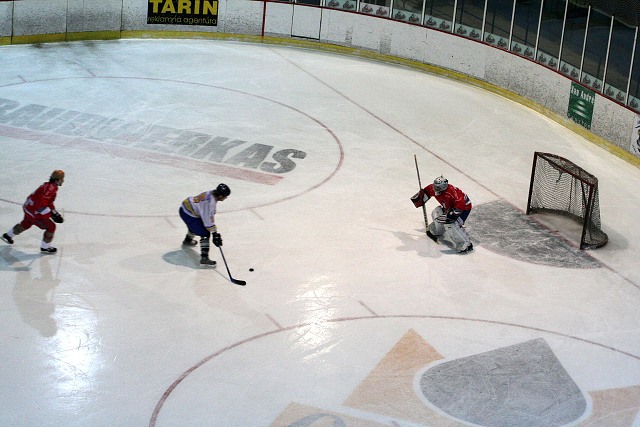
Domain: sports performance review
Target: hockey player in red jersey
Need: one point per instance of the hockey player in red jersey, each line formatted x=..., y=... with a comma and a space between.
x=450, y=216
x=40, y=211
x=198, y=213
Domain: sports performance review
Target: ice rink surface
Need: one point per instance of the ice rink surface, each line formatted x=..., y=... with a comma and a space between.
x=352, y=316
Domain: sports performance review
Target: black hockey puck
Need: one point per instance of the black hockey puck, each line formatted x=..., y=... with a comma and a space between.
x=251, y=269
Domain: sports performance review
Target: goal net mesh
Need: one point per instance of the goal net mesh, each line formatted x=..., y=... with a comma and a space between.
x=559, y=186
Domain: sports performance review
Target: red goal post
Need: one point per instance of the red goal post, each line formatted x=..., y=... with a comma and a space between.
x=558, y=186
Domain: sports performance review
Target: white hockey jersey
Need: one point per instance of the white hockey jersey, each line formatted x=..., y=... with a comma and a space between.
x=202, y=206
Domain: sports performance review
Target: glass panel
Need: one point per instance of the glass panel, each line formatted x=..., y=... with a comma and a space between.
x=375, y=7
x=525, y=27
x=498, y=23
x=439, y=14
x=596, y=52
x=619, y=61
x=408, y=10
x=469, y=18
x=634, y=89
x=551, y=32
x=573, y=40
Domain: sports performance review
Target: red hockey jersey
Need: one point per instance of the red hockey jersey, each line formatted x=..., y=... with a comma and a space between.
x=451, y=198
x=40, y=203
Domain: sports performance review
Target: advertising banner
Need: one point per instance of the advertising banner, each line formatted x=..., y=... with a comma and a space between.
x=581, y=101
x=183, y=12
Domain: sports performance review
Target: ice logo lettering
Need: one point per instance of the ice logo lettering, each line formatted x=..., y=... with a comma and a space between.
x=164, y=140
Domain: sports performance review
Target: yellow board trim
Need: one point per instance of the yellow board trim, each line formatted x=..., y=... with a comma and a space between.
x=38, y=38
x=94, y=35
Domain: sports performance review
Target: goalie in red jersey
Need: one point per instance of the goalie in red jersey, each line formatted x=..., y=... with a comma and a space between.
x=40, y=211
x=450, y=216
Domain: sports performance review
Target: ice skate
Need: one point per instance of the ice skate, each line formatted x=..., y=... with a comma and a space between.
x=7, y=239
x=189, y=241
x=206, y=262
x=468, y=249
x=49, y=250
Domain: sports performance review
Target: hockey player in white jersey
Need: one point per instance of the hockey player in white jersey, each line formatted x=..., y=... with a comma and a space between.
x=198, y=213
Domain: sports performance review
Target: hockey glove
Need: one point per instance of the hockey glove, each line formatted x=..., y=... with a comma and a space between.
x=453, y=215
x=56, y=217
x=420, y=198
x=444, y=219
x=216, y=238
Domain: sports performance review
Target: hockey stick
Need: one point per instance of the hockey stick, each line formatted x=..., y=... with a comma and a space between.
x=424, y=208
x=234, y=281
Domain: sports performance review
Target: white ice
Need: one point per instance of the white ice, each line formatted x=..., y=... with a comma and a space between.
x=121, y=327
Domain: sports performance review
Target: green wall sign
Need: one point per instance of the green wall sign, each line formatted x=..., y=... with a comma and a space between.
x=581, y=101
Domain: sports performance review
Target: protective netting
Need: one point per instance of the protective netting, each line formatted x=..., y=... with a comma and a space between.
x=559, y=186
x=627, y=11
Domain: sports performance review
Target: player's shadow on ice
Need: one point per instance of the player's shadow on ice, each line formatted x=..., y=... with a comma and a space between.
x=16, y=260
x=420, y=244
x=185, y=257
x=444, y=245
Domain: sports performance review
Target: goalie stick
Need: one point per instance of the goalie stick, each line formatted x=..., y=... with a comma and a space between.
x=234, y=281
x=424, y=208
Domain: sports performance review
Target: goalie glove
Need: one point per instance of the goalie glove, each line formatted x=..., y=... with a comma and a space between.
x=420, y=198
x=56, y=217
x=216, y=238
x=444, y=219
x=451, y=216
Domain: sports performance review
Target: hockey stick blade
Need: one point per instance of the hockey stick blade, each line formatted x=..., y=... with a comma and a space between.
x=237, y=282
x=234, y=281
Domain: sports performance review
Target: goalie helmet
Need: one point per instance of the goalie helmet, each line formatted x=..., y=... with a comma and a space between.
x=222, y=190
x=57, y=175
x=440, y=184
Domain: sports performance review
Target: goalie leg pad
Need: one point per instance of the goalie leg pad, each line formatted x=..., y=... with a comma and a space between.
x=458, y=236
x=437, y=228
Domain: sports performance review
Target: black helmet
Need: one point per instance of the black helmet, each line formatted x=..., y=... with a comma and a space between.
x=222, y=190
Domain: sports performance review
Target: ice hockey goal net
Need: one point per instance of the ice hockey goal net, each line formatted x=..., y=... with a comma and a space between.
x=559, y=186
